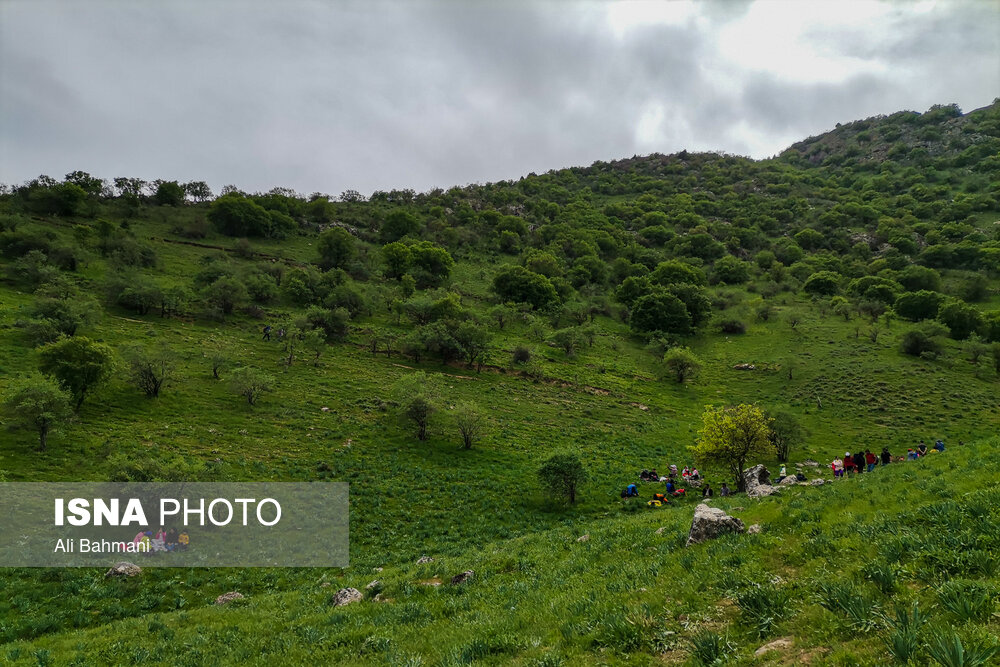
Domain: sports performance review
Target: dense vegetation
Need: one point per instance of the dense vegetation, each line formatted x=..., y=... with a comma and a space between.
x=435, y=349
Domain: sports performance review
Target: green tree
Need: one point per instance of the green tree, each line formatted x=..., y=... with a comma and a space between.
x=731, y=271
x=822, y=283
x=519, y=285
x=569, y=339
x=78, y=364
x=169, y=193
x=675, y=271
x=474, y=339
x=562, y=474
x=681, y=364
x=251, y=383
x=786, y=434
x=396, y=258
x=430, y=264
x=960, y=318
x=916, y=306
x=660, y=311
x=730, y=436
x=417, y=397
x=226, y=294
x=471, y=423
x=397, y=224
x=336, y=247
x=37, y=403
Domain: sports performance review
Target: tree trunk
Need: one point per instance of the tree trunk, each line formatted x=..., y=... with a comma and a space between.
x=43, y=435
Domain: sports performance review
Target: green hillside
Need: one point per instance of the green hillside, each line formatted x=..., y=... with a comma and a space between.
x=852, y=283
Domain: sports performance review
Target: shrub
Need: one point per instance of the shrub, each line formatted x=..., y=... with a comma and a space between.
x=710, y=648
x=681, y=364
x=764, y=606
x=521, y=354
x=732, y=326
x=824, y=283
x=251, y=383
x=917, y=343
x=562, y=474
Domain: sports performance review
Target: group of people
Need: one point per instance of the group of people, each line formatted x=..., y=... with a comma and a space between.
x=267, y=333
x=866, y=461
x=675, y=482
x=169, y=540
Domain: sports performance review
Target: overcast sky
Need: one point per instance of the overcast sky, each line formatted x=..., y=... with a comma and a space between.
x=326, y=96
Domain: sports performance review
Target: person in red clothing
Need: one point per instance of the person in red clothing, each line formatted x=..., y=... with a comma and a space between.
x=849, y=466
x=870, y=459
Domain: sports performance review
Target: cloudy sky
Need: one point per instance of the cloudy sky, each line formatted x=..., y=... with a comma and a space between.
x=326, y=96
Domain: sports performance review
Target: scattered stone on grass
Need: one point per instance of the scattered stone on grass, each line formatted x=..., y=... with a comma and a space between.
x=123, y=569
x=346, y=596
x=754, y=529
x=711, y=522
x=375, y=583
x=777, y=645
x=424, y=559
x=226, y=598
x=583, y=538
x=463, y=577
x=758, y=482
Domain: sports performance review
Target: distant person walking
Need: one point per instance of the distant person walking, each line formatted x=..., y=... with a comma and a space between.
x=871, y=460
x=848, y=463
x=838, y=468
x=886, y=456
x=267, y=332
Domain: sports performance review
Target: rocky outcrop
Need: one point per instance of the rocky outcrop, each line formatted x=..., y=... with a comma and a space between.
x=758, y=482
x=424, y=559
x=788, y=481
x=463, y=577
x=817, y=482
x=754, y=529
x=123, y=569
x=583, y=538
x=226, y=598
x=346, y=596
x=711, y=522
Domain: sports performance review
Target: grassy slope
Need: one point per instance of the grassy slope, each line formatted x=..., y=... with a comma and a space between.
x=628, y=595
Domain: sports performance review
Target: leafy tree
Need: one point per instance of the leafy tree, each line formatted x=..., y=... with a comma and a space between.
x=660, y=311
x=474, y=339
x=920, y=343
x=698, y=305
x=226, y=293
x=786, y=434
x=822, y=283
x=519, y=285
x=681, y=364
x=569, y=339
x=314, y=340
x=842, y=307
x=37, y=403
x=78, y=364
x=730, y=436
x=960, y=318
x=562, y=474
x=150, y=369
x=731, y=271
x=417, y=397
x=236, y=215
x=430, y=264
x=396, y=258
x=251, y=383
x=675, y=271
x=632, y=288
x=336, y=247
x=60, y=310
x=471, y=423
x=916, y=306
x=809, y=239
x=915, y=278
x=198, y=190
x=169, y=193
x=397, y=224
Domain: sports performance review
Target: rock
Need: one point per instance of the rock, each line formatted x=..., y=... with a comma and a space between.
x=583, y=538
x=659, y=531
x=788, y=481
x=123, y=569
x=754, y=529
x=376, y=569
x=424, y=559
x=226, y=598
x=810, y=463
x=463, y=577
x=373, y=584
x=776, y=645
x=346, y=596
x=325, y=409
x=817, y=482
x=711, y=522
x=325, y=584
x=695, y=483
x=758, y=482
x=744, y=367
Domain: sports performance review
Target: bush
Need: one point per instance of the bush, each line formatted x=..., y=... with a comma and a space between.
x=917, y=343
x=822, y=283
x=562, y=474
x=250, y=383
x=681, y=364
x=521, y=354
x=732, y=326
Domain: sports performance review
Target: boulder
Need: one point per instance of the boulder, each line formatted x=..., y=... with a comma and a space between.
x=659, y=531
x=226, y=598
x=373, y=584
x=758, y=482
x=711, y=522
x=123, y=569
x=754, y=529
x=463, y=577
x=583, y=538
x=810, y=463
x=817, y=482
x=424, y=559
x=346, y=596
x=776, y=645
x=788, y=481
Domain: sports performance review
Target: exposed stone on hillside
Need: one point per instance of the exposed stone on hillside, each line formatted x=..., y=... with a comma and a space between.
x=754, y=529
x=818, y=482
x=424, y=559
x=788, y=481
x=583, y=538
x=463, y=577
x=346, y=596
x=226, y=598
x=123, y=569
x=758, y=482
x=776, y=645
x=711, y=522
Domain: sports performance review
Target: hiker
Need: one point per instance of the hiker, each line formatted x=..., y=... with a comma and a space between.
x=848, y=463
x=911, y=455
x=783, y=473
x=673, y=471
x=886, y=456
x=707, y=491
x=281, y=333
x=695, y=474
x=922, y=448
x=172, y=539
x=838, y=468
x=870, y=460
x=631, y=491
x=267, y=332
x=859, y=461
x=724, y=491
x=183, y=540
x=654, y=476
x=939, y=445
x=670, y=486
x=686, y=473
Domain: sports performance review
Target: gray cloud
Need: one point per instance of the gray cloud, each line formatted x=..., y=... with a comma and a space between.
x=326, y=97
